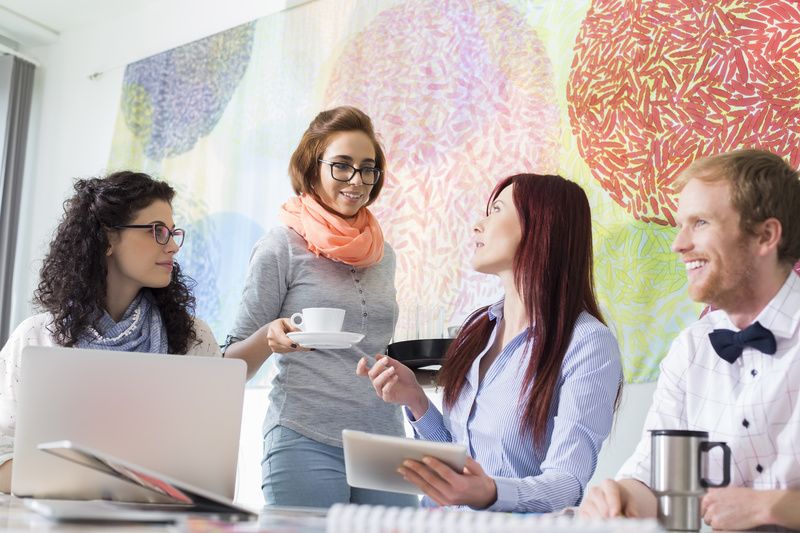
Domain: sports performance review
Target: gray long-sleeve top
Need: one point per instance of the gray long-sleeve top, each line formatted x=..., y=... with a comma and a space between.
x=318, y=393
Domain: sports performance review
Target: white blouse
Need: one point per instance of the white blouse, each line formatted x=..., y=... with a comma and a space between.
x=34, y=332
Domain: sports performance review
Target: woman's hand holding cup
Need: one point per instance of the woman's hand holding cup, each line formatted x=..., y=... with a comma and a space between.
x=395, y=383
x=277, y=339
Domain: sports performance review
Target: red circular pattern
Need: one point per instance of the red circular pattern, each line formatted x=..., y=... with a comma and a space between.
x=657, y=84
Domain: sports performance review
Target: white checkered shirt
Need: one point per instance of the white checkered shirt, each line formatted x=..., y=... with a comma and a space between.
x=752, y=404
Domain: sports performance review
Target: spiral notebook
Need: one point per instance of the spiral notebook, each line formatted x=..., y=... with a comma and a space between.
x=378, y=519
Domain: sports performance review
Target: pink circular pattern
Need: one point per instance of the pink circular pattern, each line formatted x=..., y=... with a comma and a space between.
x=462, y=94
x=657, y=84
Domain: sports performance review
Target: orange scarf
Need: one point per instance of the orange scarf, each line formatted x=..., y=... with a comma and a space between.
x=357, y=242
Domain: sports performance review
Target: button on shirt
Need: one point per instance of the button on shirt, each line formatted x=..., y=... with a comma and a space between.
x=317, y=394
x=486, y=418
x=752, y=404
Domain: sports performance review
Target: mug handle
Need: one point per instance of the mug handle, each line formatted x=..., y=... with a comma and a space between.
x=298, y=324
x=726, y=464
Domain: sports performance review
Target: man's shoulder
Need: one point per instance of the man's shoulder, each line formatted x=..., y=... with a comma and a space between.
x=693, y=341
x=705, y=324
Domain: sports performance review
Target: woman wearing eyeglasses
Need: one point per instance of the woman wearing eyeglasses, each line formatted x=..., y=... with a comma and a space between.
x=108, y=281
x=330, y=252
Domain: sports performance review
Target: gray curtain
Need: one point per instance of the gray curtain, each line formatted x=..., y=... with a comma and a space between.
x=20, y=90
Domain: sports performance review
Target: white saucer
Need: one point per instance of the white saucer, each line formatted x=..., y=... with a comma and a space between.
x=331, y=340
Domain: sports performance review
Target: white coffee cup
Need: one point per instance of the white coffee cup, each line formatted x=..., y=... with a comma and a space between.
x=319, y=319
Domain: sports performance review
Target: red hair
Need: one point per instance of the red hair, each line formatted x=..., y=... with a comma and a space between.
x=553, y=273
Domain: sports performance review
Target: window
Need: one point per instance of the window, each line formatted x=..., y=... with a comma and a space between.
x=16, y=89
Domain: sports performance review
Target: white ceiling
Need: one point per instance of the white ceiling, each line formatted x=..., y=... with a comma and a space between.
x=64, y=15
x=35, y=22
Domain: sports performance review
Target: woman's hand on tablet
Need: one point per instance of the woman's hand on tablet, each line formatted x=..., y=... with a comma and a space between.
x=445, y=486
x=394, y=382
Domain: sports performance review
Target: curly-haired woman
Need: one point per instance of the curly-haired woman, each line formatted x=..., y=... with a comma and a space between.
x=109, y=281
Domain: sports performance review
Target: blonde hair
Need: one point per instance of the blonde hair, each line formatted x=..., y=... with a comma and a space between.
x=763, y=185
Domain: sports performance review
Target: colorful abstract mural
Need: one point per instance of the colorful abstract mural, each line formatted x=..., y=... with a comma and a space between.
x=617, y=95
x=450, y=128
x=171, y=100
x=655, y=85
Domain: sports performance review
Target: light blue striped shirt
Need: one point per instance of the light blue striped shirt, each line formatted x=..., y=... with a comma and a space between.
x=486, y=418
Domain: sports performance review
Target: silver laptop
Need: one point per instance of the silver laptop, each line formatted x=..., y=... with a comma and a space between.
x=177, y=415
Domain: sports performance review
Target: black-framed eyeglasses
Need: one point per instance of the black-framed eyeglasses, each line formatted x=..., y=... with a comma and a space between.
x=344, y=172
x=161, y=233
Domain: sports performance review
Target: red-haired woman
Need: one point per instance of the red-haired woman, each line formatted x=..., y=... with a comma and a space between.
x=530, y=383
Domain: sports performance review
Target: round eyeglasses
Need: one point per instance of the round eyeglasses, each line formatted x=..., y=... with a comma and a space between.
x=161, y=233
x=344, y=172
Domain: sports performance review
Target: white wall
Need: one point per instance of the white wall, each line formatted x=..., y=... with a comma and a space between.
x=73, y=116
x=627, y=430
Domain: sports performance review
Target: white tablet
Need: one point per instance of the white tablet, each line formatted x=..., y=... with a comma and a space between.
x=371, y=461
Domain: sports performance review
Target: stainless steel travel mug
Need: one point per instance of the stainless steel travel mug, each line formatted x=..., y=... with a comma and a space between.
x=679, y=461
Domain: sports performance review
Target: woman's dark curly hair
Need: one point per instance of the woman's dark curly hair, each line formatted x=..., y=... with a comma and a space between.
x=72, y=284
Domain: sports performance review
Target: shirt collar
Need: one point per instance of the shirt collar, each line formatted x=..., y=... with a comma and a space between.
x=496, y=310
x=781, y=315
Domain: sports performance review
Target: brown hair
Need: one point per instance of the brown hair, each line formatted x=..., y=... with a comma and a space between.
x=304, y=167
x=763, y=185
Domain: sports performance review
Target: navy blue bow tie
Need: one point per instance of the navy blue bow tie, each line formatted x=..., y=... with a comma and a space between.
x=729, y=344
